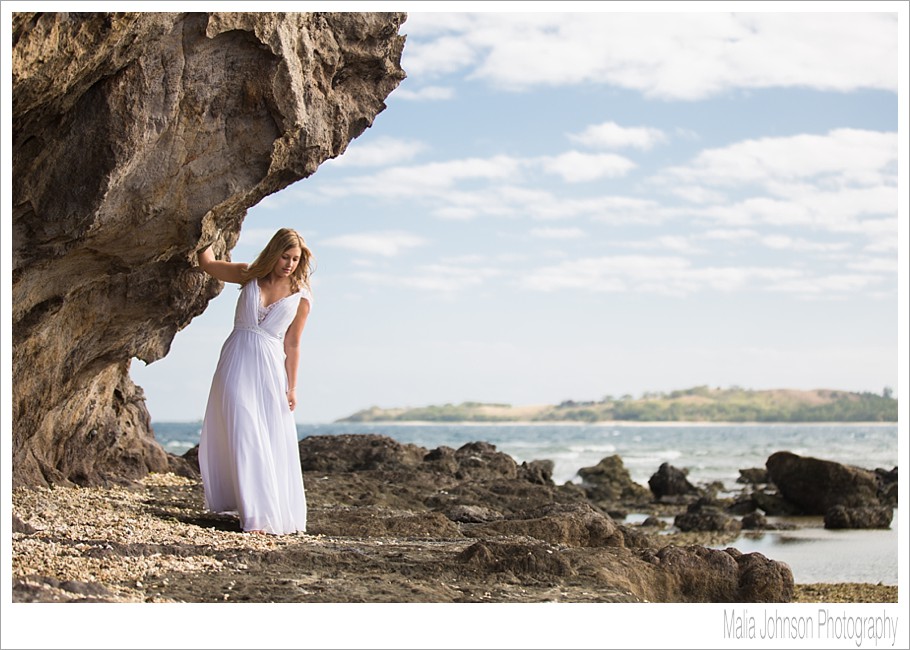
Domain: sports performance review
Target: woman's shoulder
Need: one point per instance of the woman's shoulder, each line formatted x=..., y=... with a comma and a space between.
x=305, y=294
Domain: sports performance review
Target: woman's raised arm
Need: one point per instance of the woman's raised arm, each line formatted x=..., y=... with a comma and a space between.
x=224, y=271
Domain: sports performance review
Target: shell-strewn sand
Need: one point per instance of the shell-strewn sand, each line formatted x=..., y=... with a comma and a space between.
x=154, y=543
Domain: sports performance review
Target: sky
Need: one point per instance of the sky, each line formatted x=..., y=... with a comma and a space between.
x=581, y=204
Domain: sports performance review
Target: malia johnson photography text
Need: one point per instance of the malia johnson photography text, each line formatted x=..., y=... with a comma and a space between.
x=825, y=625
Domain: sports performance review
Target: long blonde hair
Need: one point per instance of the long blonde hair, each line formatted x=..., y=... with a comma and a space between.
x=281, y=241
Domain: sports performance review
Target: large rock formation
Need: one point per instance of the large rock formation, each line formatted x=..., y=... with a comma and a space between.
x=137, y=137
x=670, y=481
x=815, y=485
x=609, y=482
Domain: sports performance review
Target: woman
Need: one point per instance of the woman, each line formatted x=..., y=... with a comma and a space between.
x=248, y=452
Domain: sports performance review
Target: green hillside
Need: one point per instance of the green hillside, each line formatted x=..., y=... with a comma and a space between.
x=699, y=404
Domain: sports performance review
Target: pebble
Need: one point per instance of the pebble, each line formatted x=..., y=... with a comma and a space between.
x=81, y=535
x=73, y=524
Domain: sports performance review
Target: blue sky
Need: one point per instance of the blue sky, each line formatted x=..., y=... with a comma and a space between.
x=579, y=204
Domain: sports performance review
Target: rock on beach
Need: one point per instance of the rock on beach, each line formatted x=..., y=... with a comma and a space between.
x=391, y=522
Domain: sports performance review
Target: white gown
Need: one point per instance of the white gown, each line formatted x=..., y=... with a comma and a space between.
x=248, y=452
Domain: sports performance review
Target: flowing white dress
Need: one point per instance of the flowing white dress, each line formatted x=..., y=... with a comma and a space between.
x=248, y=452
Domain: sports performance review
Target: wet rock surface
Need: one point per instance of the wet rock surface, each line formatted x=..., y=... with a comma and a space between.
x=887, y=486
x=842, y=517
x=814, y=485
x=609, y=482
x=706, y=515
x=669, y=481
x=753, y=476
x=845, y=495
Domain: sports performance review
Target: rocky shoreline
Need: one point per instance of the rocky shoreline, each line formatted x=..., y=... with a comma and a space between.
x=393, y=523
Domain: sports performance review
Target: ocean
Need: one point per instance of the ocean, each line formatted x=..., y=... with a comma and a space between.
x=710, y=452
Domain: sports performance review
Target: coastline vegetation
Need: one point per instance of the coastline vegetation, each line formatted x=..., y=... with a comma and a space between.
x=698, y=404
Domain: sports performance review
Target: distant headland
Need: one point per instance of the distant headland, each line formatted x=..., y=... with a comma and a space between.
x=699, y=404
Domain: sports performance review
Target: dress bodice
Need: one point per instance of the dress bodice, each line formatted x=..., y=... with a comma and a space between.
x=273, y=319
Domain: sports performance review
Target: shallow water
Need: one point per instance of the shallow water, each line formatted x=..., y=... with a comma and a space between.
x=815, y=554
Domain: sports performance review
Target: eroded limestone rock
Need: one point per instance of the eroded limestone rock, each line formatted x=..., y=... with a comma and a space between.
x=136, y=138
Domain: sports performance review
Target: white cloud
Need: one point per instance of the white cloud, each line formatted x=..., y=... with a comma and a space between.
x=542, y=205
x=425, y=94
x=842, y=157
x=425, y=24
x=836, y=49
x=611, y=135
x=622, y=209
x=676, y=276
x=886, y=265
x=462, y=260
x=497, y=200
x=686, y=55
x=840, y=182
x=611, y=274
x=730, y=234
x=512, y=257
x=697, y=194
x=675, y=243
x=557, y=233
x=363, y=263
x=578, y=167
x=441, y=55
x=379, y=152
x=835, y=181
x=883, y=242
x=845, y=211
x=454, y=212
x=416, y=180
x=467, y=188
x=440, y=278
x=388, y=244
x=668, y=275
x=783, y=242
x=756, y=210
x=829, y=285
x=257, y=237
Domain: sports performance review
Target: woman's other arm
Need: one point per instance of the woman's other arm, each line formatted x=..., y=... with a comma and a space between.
x=292, y=349
x=224, y=271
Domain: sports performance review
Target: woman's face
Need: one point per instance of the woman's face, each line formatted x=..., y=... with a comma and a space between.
x=287, y=262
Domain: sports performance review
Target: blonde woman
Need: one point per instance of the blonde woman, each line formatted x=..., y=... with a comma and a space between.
x=248, y=452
